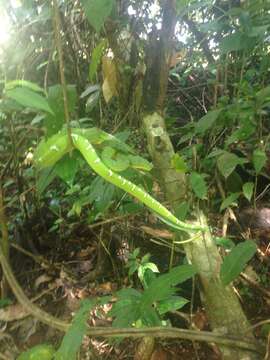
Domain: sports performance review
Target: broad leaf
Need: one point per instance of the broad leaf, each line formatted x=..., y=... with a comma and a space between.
x=45, y=177
x=229, y=201
x=263, y=95
x=109, y=86
x=198, y=185
x=149, y=317
x=55, y=122
x=171, y=304
x=29, y=98
x=66, y=168
x=207, y=121
x=97, y=11
x=179, y=163
x=73, y=338
x=248, y=190
x=96, y=58
x=23, y=83
x=259, y=159
x=226, y=243
x=234, y=42
x=227, y=163
x=236, y=261
x=162, y=287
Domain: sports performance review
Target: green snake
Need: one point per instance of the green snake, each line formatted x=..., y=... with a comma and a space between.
x=50, y=151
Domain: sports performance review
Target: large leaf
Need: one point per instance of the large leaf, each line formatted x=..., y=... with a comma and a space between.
x=66, y=168
x=23, y=83
x=97, y=11
x=126, y=311
x=229, y=201
x=29, y=98
x=198, y=185
x=73, y=338
x=207, y=121
x=171, y=304
x=162, y=287
x=179, y=163
x=96, y=58
x=45, y=177
x=235, y=262
x=259, y=159
x=248, y=190
x=263, y=95
x=109, y=86
x=234, y=42
x=227, y=163
x=54, y=122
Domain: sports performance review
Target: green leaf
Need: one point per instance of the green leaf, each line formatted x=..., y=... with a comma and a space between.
x=67, y=168
x=96, y=58
x=248, y=190
x=126, y=311
x=23, y=83
x=72, y=340
x=143, y=269
x=39, y=352
x=263, y=95
x=55, y=122
x=229, y=201
x=97, y=11
x=182, y=210
x=29, y=98
x=101, y=194
x=45, y=177
x=149, y=317
x=5, y=302
x=171, y=304
x=198, y=185
x=227, y=163
x=236, y=261
x=234, y=42
x=225, y=242
x=161, y=287
x=259, y=159
x=207, y=121
x=178, y=163
x=245, y=131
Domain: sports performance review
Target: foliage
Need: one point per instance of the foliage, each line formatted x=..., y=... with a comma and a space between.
x=39, y=352
x=135, y=308
x=74, y=336
x=235, y=262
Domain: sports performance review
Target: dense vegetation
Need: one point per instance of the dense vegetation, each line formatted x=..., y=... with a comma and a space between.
x=134, y=157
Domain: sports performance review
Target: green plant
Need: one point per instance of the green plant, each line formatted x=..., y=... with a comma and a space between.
x=147, y=308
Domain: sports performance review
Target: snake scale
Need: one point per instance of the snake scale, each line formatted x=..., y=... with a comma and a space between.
x=50, y=151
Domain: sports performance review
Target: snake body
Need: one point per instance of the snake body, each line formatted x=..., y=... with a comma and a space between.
x=54, y=148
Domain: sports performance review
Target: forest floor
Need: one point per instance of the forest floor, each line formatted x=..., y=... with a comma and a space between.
x=67, y=272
